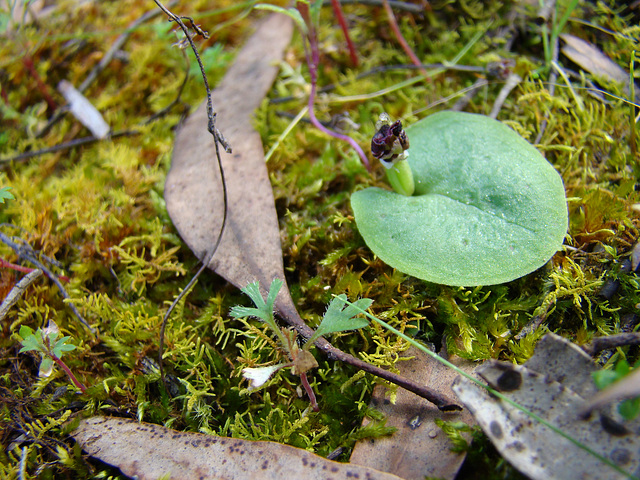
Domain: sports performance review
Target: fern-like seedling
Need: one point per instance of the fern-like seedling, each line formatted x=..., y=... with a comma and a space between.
x=341, y=317
x=5, y=194
x=263, y=310
x=338, y=318
x=51, y=348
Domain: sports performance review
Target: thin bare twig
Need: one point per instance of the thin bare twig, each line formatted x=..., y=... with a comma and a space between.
x=17, y=291
x=403, y=43
x=388, y=68
x=462, y=103
x=211, y=114
x=512, y=82
x=64, y=146
x=293, y=319
x=108, y=56
x=612, y=341
x=27, y=253
x=218, y=139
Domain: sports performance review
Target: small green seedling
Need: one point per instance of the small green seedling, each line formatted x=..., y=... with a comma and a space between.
x=338, y=318
x=486, y=206
x=5, y=194
x=630, y=408
x=51, y=348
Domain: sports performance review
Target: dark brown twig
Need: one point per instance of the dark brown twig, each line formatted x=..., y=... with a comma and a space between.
x=218, y=139
x=441, y=401
x=108, y=56
x=211, y=114
x=27, y=253
x=65, y=146
x=612, y=341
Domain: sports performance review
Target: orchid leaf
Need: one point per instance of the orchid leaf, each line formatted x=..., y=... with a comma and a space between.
x=487, y=209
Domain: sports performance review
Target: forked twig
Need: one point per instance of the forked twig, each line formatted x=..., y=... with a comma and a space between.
x=218, y=139
x=25, y=252
x=16, y=292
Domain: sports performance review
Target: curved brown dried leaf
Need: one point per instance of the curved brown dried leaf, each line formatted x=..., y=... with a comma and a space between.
x=148, y=452
x=250, y=248
x=419, y=448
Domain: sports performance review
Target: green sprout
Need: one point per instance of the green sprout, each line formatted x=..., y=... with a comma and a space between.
x=5, y=194
x=51, y=348
x=338, y=318
x=630, y=408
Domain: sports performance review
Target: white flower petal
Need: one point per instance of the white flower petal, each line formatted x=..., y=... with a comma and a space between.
x=258, y=376
x=50, y=328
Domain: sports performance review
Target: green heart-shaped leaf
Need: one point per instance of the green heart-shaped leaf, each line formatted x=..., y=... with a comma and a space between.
x=488, y=208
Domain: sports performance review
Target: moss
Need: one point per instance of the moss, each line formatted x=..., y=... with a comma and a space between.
x=98, y=210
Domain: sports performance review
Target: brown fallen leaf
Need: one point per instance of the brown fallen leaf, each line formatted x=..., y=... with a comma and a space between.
x=149, y=452
x=250, y=247
x=418, y=448
x=555, y=385
x=592, y=60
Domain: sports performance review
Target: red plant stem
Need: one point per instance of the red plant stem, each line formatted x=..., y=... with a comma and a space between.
x=310, y=393
x=20, y=268
x=4, y=95
x=403, y=43
x=64, y=367
x=44, y=89
x=313, y=61
x=337, y=9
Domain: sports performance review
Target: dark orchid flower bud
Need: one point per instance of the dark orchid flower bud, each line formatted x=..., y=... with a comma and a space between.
x=390, y=145
x=389, y=142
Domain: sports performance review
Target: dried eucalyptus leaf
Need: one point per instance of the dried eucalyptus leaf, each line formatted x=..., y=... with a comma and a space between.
x=250, y=248
x=557, y=394
x=149, y=452
x=419, y=448
x=591, y=59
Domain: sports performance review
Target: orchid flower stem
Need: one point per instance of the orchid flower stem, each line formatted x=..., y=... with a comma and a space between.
x=313, y=60
x=403, y=43
x=400, y=177
x=69, y=373
x=310, y=393
x=337, y=10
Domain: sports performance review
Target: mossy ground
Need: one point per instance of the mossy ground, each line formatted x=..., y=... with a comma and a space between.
x=98, y=210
